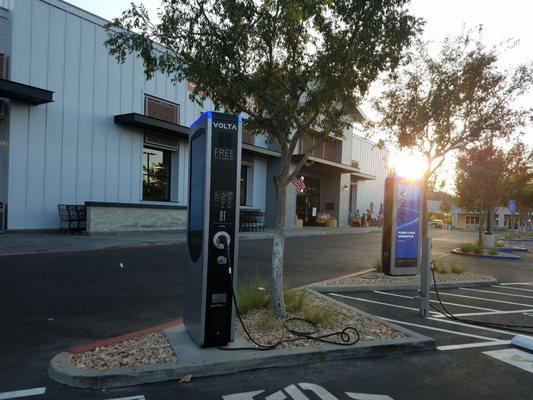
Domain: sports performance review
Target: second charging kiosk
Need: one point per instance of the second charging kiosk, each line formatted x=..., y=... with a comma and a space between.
x=402, y=226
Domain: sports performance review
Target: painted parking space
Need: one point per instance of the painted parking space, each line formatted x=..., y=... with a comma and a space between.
x=499, y=304
x=22, y=393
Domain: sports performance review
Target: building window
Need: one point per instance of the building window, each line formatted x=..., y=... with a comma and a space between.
x=244, y=184
x=156, y=174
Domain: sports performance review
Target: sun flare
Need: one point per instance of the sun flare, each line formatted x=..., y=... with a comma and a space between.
x=408, y=164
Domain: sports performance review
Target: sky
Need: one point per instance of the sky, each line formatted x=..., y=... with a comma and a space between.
x=502, y=20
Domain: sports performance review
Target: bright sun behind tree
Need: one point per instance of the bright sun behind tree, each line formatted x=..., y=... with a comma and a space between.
x=408, y=164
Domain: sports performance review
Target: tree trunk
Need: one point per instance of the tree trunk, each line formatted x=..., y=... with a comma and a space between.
x=278, y=247
x=490, y=221
x=480, y=228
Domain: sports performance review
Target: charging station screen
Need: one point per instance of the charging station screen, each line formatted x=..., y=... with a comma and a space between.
x=408, y=197
x=196, y=195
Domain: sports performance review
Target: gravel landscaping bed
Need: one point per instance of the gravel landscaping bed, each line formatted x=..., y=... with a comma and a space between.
x=330, y=317
x=378, y=278
x=266, y=329
x=145, y=350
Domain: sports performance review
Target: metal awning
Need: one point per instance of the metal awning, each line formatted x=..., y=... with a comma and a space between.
x=342, y=168
x=24, y=93
x=260, y=150
x=139, y=121
x=363, y=177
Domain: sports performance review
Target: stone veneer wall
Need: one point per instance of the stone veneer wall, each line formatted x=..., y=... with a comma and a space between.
x=116, y=218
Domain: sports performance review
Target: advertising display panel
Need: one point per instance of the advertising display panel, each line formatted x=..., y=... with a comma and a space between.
x=408, y=207
x=400, y=253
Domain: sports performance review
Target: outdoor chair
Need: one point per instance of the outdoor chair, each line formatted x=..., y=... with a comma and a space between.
x=251, y=221
x=73, y=216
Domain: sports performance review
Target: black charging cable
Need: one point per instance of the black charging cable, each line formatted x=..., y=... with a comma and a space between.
x=348, y=336
x=448, y=314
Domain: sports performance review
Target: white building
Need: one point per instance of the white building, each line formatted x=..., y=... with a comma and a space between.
x=462, y=219
x=80, y=128
x=371, y=159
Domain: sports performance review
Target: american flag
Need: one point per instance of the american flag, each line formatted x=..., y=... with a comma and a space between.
x=298, y=182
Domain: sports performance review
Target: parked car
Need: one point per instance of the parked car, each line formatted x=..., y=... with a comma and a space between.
x=437, y=223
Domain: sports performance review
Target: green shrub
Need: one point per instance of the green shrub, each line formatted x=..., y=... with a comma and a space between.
x=471, y=248
x=377, y=264
x=252, y=296
x=492, y=252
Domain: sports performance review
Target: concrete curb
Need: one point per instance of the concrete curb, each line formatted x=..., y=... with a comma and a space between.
x=524, y=239
x=409, y=286
x=63, y=371
x=303, y=233
x=320, y=283
x=510, y=249
x=498, y=257
x=121, y=338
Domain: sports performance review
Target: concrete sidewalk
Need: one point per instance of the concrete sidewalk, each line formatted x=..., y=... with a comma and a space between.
x=14, y=243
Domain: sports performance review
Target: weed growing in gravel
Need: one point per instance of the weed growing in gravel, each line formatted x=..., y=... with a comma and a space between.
x=268, y=323
x=321, y=316
x=492, y=252
x=377, y=264
x=252, y=295
x=457, y=268
x=442, y=267
x=294, y=300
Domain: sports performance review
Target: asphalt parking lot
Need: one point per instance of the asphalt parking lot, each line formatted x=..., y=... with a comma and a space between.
x=504, y=303
x=56, y=301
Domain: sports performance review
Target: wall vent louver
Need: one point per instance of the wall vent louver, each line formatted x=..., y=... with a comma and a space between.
x=3, y=66
x=161, y=109
x=161, y=140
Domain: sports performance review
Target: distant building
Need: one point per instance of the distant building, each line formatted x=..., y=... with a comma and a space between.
x=469, y=221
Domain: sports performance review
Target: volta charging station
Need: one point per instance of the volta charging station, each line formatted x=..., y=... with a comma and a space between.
x=212, y=229
x=403, y=250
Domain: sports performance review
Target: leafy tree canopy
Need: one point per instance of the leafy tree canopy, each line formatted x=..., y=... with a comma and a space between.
x=296, y=67
x=441, y=104
x=487, y=177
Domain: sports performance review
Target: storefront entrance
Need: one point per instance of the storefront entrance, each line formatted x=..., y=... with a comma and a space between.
x=308, y=201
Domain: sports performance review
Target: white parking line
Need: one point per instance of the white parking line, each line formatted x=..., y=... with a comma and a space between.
x=22, y=393
x=515, y=357
x=499, y=293
x=517, y=283
x=512, y=288
x=524, y=310
x=483, y=328
x=472, y=345
x=394, y=294
x=373, y=301
x=138, y=397
x=436, y=301
x=484, y=299
x=433, y=328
